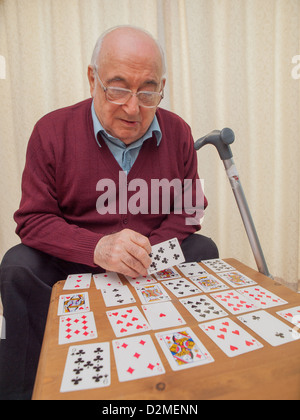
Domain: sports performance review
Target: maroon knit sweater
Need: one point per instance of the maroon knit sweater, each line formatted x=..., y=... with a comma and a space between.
x=64, y=163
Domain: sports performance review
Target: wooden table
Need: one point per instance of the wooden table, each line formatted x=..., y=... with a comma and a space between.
x=267, y=373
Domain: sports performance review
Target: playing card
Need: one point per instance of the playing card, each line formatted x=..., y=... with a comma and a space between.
x=236, y=279
x=231, y=338
x=152, y=293
x=208, y=283
x=87, y=366
x=140, y=280
x=261, y=297
x=292, y=315
x=202, y=308
x=115, y=296
x=168, y=273
x=136, y=357
x=234, y=301
x=165, y=255
x=192, y=269
x=181, y=287
x=271, y=329
x=127, y=321
x=78, y=281
x=162, y=315
x=72, y=303
x=77, y=327
x=217, y=265
x=183, y=349
x=108, y=279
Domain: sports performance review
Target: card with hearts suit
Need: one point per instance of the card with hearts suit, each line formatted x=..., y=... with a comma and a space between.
x=230, y=337
x=127, y=321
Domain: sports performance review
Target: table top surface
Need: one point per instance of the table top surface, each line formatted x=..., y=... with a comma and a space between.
x=267, y=373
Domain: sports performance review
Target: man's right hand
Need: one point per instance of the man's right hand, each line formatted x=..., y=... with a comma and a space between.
x=125, y=252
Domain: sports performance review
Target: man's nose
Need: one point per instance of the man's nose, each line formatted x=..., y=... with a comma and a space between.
x=132, y=105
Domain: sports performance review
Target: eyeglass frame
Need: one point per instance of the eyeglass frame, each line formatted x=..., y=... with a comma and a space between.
x=105, y=88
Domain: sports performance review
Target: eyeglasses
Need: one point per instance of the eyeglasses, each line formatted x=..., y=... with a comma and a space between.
x=120, y=96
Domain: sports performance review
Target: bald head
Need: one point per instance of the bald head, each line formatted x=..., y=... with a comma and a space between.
x=131, y=41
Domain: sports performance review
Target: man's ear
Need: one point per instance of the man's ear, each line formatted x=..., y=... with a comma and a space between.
x=91, y=77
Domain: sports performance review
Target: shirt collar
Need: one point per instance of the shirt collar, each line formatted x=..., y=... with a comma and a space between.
x=153, y=129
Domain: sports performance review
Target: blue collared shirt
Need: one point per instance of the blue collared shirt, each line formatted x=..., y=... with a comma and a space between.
x=125, y=155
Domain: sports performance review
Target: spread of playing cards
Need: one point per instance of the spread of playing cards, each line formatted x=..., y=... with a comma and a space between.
x=180, y=316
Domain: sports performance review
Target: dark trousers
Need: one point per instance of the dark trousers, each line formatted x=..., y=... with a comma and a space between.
x=26, y=279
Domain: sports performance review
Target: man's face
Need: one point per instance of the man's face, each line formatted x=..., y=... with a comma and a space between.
x=129, y=61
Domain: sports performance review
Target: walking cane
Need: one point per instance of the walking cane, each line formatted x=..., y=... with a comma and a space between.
x=222, y=140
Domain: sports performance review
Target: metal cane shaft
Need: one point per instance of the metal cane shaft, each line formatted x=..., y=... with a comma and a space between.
x=246, y=215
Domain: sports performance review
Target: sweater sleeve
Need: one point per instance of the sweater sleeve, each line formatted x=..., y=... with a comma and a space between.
x=186, y=221
x=40, y=221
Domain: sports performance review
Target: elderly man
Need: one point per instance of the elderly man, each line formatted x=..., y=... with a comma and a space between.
x=71, y=151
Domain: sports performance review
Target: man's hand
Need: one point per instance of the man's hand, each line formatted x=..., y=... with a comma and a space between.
x=126, y=252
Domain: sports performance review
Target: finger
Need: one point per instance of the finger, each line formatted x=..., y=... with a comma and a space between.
x=141, y=241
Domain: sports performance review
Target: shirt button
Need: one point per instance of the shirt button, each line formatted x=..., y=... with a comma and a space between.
x=125, y=221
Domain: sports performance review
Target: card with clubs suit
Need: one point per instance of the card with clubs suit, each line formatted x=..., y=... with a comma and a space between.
x=87, y=366
x=192, y=269
x=271, y=329
x=165, y=255
x=202, y=308
x=182, y=287
x=115, y=296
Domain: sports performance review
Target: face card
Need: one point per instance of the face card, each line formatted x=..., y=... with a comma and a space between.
x=234, y=301
x=77, y=327
x=168, y=273
x=115, y=296
x=182, y=287
x=165, y=255
x=202, y=308
x=292, y=315
x=192, y=269
x=136, y=357
x=108, y=279
x=236, y=279
x=72, y=303
x=217, y=265
x=183, y=349
x=268, y=327
x=162, y=315
x=127, y=321
x=209, y=283
x=152, y=293
x=87, y=367
x=261, y=297
x=140, y=280
x=231, y=338
x=78, y=281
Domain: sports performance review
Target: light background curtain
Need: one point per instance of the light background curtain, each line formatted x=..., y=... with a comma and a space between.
x=229, y=64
